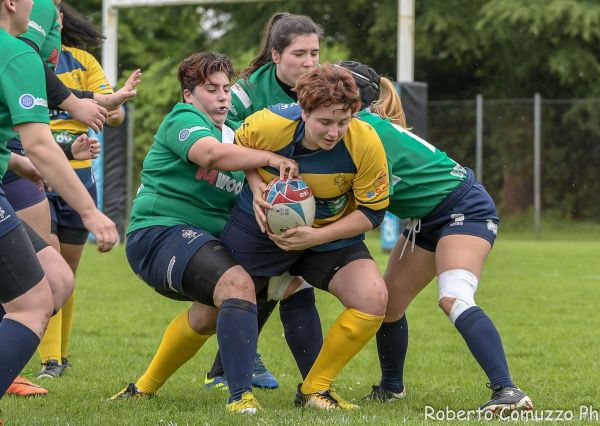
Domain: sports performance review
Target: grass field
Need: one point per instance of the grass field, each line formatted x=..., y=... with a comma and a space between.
x=543, y=296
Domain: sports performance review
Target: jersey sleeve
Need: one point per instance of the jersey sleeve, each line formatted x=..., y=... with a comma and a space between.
x=41, y=21
x=371, y=183
x=265, y=130
x=241, y=105
x=25, y=92
x=184, y=130
x=96, y=80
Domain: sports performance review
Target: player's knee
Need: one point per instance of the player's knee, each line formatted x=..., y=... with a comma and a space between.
x=457, y=289
x=235, y=284
x=373, y=301
x=59, y=275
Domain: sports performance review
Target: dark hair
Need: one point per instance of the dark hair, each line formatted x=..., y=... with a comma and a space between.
x=77, y=31
x=278, y=34
x=325, y=86
x=196, y=68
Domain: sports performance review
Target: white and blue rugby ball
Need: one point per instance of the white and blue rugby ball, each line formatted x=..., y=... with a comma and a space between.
x=293, y=205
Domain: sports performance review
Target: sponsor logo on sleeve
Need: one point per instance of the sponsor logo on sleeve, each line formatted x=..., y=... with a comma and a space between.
x=185, y=133
x=28, y=101
x=381, y=181
x=37, y=27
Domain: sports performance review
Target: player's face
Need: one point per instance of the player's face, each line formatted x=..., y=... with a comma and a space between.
x=212, y=97
x=300, y=56
x=20, y=21
x=325, y=126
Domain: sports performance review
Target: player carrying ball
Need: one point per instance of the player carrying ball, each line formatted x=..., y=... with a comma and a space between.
x=343, y=161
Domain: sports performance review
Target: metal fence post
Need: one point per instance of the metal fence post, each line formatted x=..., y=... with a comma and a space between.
x=537, y=142
x=479, y=140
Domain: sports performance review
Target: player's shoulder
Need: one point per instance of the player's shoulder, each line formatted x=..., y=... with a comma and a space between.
x=185, y=117
x=359, y=131
x=289, y=111
x=14, y=49
x=71, y=59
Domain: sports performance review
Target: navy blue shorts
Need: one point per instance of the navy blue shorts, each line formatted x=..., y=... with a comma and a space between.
x=261, y=257
x=159, y=255
x=468, y=210
x=22, y=193
x=8, y=218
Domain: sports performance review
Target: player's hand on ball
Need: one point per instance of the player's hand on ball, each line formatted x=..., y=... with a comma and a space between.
x=103, y=229
x=298, y=238
x=288, y=168
x=259, y=205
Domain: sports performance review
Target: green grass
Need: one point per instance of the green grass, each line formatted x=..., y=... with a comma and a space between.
x=543, y=296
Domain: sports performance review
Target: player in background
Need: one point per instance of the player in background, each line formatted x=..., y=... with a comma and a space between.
x=77, y=69
x=25, y=293
x=343, y=161
x=190, y=180
x=453, y=227
x=289, y=48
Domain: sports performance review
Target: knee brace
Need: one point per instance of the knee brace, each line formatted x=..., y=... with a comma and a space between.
x=458, y=284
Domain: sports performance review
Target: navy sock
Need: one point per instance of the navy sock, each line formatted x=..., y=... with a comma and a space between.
x=302, y=328
x=485, y=344
x=392, y=345
x=237, y=333
x=18, y=345
x=265, y=308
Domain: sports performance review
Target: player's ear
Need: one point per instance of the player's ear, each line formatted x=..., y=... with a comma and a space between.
x=275, y=56
x=11, y=5
x=187, y=96
x=304, y=115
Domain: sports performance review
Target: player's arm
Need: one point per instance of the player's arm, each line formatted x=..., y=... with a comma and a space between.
x=209, y=153
x=115, y=100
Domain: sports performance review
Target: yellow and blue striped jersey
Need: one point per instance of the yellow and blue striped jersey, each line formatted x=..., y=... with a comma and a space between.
x=354, y=173
x=77, y=69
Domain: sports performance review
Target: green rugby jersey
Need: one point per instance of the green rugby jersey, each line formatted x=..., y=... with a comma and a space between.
x=175, y=191
x=44, y=30
x=22, y=94
x=258, y=91
x=421, y=176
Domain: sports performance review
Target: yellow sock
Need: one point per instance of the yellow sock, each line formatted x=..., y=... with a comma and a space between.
x=347, y=336
x=178, y=345
x=67, y=324
x=49, y=347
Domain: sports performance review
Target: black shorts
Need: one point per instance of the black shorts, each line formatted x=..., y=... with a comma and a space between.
x=37, y=242
x=66, y=222
x=160, y=256
x=20, y=269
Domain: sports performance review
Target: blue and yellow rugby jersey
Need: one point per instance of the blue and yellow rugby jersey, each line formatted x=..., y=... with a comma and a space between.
x=77, y=69
x=352, y=174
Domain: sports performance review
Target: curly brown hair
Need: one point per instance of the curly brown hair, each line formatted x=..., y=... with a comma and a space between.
x=196, y=68
x=325, y=86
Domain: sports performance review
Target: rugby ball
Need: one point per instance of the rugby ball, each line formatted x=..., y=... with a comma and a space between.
x=293, y=205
